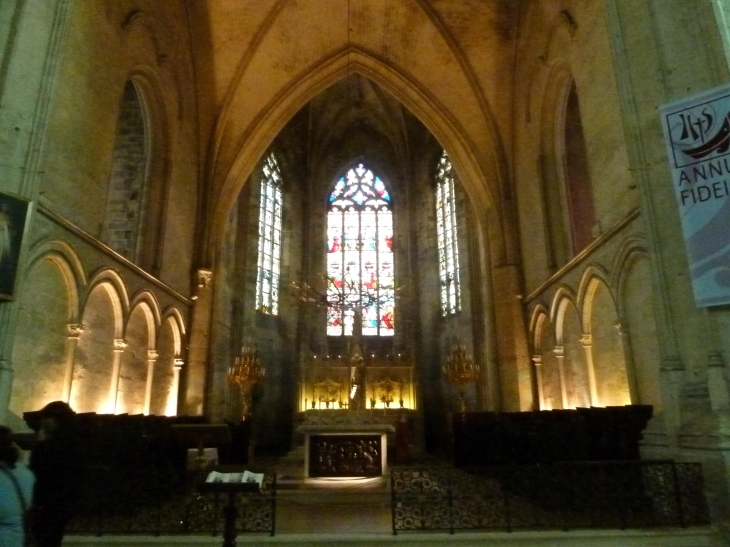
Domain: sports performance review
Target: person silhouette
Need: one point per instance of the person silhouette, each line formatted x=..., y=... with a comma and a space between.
x=56, y=462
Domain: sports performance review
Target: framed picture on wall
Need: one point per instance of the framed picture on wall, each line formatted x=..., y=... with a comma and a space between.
x=13, y=217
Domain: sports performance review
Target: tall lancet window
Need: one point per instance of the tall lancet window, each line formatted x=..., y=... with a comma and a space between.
x=267, y=284
x=360, y=255
x=447, y=242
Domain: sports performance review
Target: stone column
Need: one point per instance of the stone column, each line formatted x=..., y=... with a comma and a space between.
x=560, y=356
x=513, y=356
x=717, y=383
x=173, y=400
x=119, y=345
x=537, y=360
x=628, y=354
x=195, y=379
x=672, y=373
x=6, y=386
x=74, y=333
x=587, y=341
x=152, y=356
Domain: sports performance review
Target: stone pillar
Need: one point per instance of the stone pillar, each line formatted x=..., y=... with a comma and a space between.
x=196, y=373
x=152, y=356
x=72, y=342
x=174, y=398
x=6, y=386
x=119, y=345
x=628, y=354
x=560, y=356
x=717, y=383
x=672, y=373
x=586, y=340
x=537, y=360
x=516, y=393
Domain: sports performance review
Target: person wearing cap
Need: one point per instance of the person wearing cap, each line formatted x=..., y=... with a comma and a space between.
x=56, y=464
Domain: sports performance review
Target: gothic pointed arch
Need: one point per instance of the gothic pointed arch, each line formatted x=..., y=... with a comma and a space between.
x=360, y=260
x=230, y=172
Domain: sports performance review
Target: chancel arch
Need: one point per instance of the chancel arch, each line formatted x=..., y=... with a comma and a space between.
x=473, y=173
x=302, y=89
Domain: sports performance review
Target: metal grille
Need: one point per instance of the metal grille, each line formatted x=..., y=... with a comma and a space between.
x=551, y=496
x=157, y=502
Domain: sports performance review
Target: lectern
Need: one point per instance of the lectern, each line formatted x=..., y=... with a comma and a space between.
x=230, y=511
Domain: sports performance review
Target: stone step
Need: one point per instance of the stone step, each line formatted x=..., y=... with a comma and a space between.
x=667, y=537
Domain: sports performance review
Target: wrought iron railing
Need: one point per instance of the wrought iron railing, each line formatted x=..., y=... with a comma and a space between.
x=164, y=502
x=574, y=495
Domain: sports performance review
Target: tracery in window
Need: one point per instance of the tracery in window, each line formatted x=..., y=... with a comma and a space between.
x=267, y=285
x=360, y=255
x=447, y=237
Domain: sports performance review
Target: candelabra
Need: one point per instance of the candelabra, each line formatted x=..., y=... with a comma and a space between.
x=245, y=372
x=460, y=370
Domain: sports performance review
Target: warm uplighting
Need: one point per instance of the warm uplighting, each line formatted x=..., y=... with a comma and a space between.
x=382, y=382
x=460, y=369
x=245, y=372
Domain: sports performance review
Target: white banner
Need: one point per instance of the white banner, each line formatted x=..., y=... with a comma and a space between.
x=697, y=132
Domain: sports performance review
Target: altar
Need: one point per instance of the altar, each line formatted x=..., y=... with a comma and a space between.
x=345, y=450
x=348, y=407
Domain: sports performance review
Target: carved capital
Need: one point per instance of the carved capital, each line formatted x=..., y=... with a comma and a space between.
x=6, y=366
x=178, y=363
x=204, y=278
x=586, y=339
x=152, y=355
x=714, y=359
x=671, y=363
x=559, y=352
x=537, y=359
x=75, y=329
x=119, y=344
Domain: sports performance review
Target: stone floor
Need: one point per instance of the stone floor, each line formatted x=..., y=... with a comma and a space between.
x=330, y=506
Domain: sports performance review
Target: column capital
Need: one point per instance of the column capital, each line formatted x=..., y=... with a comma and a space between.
x=204, y=277
x=559, y=352
x=152, y=355
x=6, y=364
x=671, y=363
x=119, y=344
x=537, y=359
x=620, y=328
x=178, y=363
x=714, y=359
x=75, y=329
x=586, y=339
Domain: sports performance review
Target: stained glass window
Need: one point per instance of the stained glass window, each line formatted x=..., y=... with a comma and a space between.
x=267, y=284
x=447, y=242
x=360, y=255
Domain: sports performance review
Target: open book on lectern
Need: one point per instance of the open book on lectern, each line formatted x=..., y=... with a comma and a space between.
x=239, y=477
